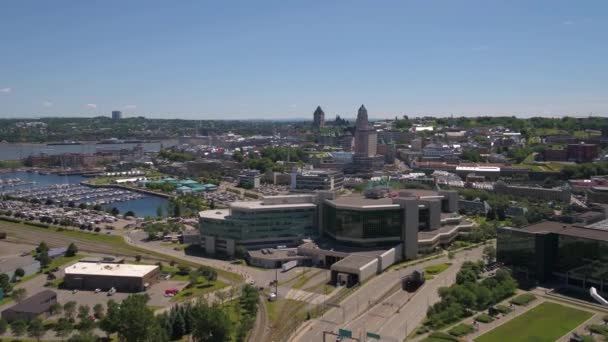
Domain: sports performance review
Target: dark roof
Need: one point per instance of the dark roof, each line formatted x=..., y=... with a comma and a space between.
x=35, y=304
x=568, y=229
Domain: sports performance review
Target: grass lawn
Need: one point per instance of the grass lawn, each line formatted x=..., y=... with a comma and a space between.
x=436, y=269
x=198, y=290
x=546, y=322
x=118, y=245
x=321, y=288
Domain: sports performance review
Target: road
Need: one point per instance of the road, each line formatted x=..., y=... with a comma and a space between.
x=367, y=311
x=261, y=276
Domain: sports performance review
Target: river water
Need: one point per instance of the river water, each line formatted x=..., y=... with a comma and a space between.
x=20, y=151
x=145, y=206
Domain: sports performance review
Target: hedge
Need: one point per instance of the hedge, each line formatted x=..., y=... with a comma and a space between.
x=10, y=219
x=503, y=309
x=523, y=299
x=461, y=330
x=484, y=318
x=443, y=336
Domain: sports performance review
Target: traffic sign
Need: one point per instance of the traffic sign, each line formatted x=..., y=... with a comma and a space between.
x=374, y=336
x=345, y=333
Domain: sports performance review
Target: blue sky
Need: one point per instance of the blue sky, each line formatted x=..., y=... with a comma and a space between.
x=279, y=59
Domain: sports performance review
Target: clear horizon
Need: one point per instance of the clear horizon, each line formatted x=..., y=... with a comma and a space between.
x=276, y=60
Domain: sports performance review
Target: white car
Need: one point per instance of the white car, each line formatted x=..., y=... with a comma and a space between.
x=97, y=290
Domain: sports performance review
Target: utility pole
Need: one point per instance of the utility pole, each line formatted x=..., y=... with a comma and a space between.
x=276, y=282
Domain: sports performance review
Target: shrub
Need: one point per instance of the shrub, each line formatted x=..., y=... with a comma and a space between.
x=438, y=335
x=461, y=330
x=523, y=299
x=503, y=309
x=484, y=318
x=9, y=219
x=36, y=224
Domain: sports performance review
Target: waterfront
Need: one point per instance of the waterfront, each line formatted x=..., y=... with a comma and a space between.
x=20, y=151
x=32, y=182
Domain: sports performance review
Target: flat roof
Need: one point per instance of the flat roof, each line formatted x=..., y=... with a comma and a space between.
x=360, y=201
x=114, y=270
x=214, y=214
x=352, y=263
x=261, y=205
x=567, y=229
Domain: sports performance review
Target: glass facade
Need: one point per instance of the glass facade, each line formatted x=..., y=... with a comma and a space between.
x=565, y=259
x=582, y=262
x=362, y=224
x=517, y=249
x=254, y=225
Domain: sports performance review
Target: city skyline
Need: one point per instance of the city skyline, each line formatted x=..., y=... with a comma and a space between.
x=275, y=61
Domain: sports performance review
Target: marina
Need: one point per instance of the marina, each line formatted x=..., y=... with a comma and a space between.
x=67, y=190
x=73, y=193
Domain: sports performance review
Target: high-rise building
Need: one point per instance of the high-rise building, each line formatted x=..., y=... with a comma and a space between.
x=365, y=158
x=366, y=138
x=318, y=119
x=116, y=115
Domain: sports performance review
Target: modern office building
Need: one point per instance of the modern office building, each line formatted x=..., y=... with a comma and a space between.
x=318, y=119
x=271, y=222
x=563, y=254
x=116, y=115
x=310, y=180
x=420, y=220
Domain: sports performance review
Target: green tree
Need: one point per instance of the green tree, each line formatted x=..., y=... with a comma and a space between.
x=72, y=250
x=211, y=323
x=63, y=328
x=137, y=321
x=19, y=272
x=159, y=211
x=19, y=294
x=55, y=309
x=114, y=211
x=69, y=309
x=193, y=277
x=36, y=329
x=3, y=326
x=111, y=321
x=18, y=327
x=98, y=311
x=5, y=283
x=489, y=254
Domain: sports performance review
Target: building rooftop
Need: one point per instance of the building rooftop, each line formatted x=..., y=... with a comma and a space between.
x=35, y=304
x=352, y=263
x=115, y=270
x=261, y=205
x=595, y=233
x=359, y=201
x=214, y=214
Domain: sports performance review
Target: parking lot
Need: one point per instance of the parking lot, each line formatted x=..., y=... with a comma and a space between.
x=155, y=291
